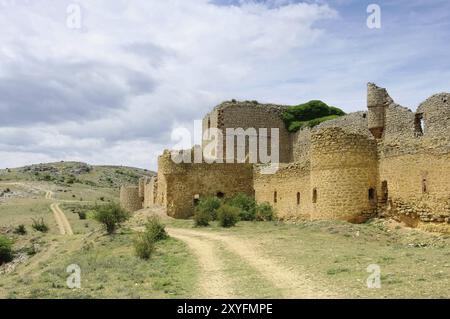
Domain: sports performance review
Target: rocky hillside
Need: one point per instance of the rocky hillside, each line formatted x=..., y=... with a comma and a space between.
x=69, y=173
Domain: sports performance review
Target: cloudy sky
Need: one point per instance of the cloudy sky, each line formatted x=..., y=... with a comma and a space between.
x=106, y=81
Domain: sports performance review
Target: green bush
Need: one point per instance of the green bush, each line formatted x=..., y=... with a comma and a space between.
x=39, y=225
x=264, y=212
x=6, y=254
x=111, y=216
x=154, y=228
x=246, y=206
x=228, y=215
x=209, y=205
x=82, y=215
x=144, y=245
x=309, y=114
x=201, y=218
x=20, y=230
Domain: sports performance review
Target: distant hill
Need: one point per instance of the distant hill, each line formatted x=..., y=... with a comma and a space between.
x=69, y=173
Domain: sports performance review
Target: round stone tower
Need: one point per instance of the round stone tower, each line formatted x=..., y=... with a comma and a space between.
x=343, y=174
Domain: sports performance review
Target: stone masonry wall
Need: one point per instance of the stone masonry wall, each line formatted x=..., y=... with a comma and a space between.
x=129, y=198
x=288, y=190
x=251, y=115
x=343, y=170
x=186, y=183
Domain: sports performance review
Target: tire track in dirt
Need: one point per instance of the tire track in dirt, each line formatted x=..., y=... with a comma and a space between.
x=292, y=283
x=61, y=220
x=214, y=283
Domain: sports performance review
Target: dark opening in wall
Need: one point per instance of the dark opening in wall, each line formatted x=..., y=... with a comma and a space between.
x=384, y=192
x=220, y=195
x=209, y=123
x=275, y=197
x=196, y=199
x=314, y=196
x=424, y=186
x=419, y=124
x=298, y=198
x=372, y=195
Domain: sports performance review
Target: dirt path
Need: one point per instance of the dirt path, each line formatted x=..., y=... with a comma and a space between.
x=63, y=224
x=214, y=282
x=294, y=283
x=61, y=219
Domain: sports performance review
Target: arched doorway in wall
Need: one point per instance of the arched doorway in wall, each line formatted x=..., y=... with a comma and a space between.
x=384, y=192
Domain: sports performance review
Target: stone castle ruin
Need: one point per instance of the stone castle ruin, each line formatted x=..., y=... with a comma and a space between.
x=385, y=161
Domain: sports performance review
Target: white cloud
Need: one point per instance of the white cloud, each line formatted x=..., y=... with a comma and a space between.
x=112, y=91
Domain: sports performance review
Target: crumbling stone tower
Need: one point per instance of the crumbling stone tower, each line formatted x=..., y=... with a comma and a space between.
x=377, y=101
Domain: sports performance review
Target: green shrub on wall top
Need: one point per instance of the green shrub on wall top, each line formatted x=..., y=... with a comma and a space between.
x=309, y=114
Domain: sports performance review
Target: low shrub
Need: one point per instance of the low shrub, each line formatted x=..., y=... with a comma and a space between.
x=111, y=216
x=201, y=218
x=144, y=245
x=39, y=225
x=227, y=215
x=20, y=230
x=246, y=206
x=6, y=254
x=154, y=228
x=264, y=212
x=210, y=205
x=82, y=215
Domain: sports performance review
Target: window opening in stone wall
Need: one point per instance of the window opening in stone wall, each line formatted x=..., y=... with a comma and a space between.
x=384, y=191
x=196, y=199
x=220, y=195
x=424, y=186
x=275, y=199
x=314, y=197
x=298, y=198
x=419, y=124
x=209, y=123
x=372, y=195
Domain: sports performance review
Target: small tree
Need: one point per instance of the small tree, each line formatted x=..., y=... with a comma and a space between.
x=228, y=215
x=111, y=216
x=6, y=254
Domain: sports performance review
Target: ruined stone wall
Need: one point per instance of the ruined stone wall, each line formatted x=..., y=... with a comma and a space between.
x=185, y=183
x=129, y=198
x=288, y=190
x=301, y=145
x=250, y=115
x=150, y=191
x=415, y=161
x=343, y=170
